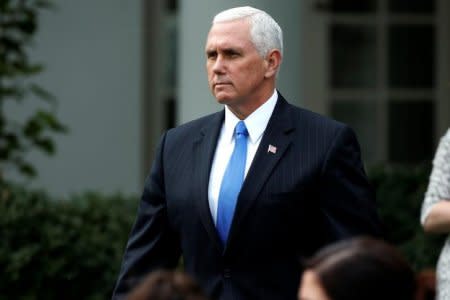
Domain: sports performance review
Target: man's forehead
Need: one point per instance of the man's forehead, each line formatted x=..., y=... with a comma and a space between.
x=240, y=26
x=227, y=44
x=228, y=35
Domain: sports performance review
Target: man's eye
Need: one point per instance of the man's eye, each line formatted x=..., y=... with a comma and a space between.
x=211, y=55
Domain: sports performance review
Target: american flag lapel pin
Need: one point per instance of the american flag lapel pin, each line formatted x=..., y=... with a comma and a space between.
x=272, y=149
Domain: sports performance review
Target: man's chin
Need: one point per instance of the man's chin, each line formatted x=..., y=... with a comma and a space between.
x=223, y=99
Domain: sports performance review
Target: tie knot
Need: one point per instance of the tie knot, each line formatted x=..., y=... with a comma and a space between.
x=240, y=129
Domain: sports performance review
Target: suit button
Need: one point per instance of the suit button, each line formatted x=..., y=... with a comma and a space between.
x=226, y=273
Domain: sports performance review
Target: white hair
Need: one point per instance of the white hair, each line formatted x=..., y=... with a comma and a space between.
x=265, y=33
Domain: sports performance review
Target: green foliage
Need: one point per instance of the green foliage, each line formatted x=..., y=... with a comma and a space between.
x=18, y=25
x=61, y=249
x=400, y=193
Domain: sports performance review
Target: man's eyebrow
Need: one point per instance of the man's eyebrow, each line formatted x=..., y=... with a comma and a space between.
x=223, y=49
x=230, y=50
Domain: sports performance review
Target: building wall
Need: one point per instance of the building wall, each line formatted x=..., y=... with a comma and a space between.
x=91, y=51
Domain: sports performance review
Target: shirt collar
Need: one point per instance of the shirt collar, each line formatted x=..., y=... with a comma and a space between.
x=256, y=122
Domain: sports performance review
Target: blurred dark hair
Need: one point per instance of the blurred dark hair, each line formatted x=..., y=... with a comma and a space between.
x=167, y=285
x=363, y=268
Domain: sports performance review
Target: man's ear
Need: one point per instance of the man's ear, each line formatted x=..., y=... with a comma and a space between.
x=273, y=61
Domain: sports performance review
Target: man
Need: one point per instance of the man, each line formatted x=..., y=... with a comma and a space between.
x=304, y=183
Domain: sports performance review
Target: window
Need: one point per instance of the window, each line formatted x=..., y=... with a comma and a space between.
x=381, y=75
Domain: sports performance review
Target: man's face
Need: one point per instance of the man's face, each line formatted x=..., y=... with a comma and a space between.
x=236, y=71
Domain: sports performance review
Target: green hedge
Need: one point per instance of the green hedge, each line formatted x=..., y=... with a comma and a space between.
x=72, y=248
x=66, y=249
x=400, y=193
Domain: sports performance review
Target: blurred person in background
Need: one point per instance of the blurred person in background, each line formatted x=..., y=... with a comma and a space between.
x=360, y=268
x=167, y=285
x=435, y=216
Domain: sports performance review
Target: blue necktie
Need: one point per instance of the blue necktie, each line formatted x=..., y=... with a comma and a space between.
x=232, y=182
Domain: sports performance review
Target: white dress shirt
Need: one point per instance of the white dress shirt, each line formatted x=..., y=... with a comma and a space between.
x=256, y=124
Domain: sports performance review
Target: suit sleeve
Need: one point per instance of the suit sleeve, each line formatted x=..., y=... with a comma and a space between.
x=152, y=243
x=347, y=198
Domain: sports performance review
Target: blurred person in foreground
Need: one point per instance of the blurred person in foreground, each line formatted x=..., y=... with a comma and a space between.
x=358, y=269
x=244, y=193
x=435, y=216
x=167, y=285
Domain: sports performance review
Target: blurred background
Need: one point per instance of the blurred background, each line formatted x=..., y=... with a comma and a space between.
x=118, y=73
x=123, y=72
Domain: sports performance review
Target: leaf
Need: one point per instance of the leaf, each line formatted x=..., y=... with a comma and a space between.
x=27, y=169
x=33, y=128
x=10, y=45
x=46, y=145
x=32, y=69
x=48, y=120
x=45, y=4
x=12, y=141
x=19, y=67
x=4, y=153
x=9, y=144
x=14, y=92
x=28, y=25
x=42, y=93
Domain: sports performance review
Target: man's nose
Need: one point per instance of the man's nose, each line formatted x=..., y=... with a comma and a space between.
x=219, y=65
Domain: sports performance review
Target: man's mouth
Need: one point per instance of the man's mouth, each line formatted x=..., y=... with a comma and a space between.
x=221, y=83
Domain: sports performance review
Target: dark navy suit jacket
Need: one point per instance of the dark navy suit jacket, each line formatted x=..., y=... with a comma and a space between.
x=311, y=192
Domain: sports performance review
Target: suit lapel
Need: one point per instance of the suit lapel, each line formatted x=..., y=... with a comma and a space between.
x=204, y=149
x=278, y=138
